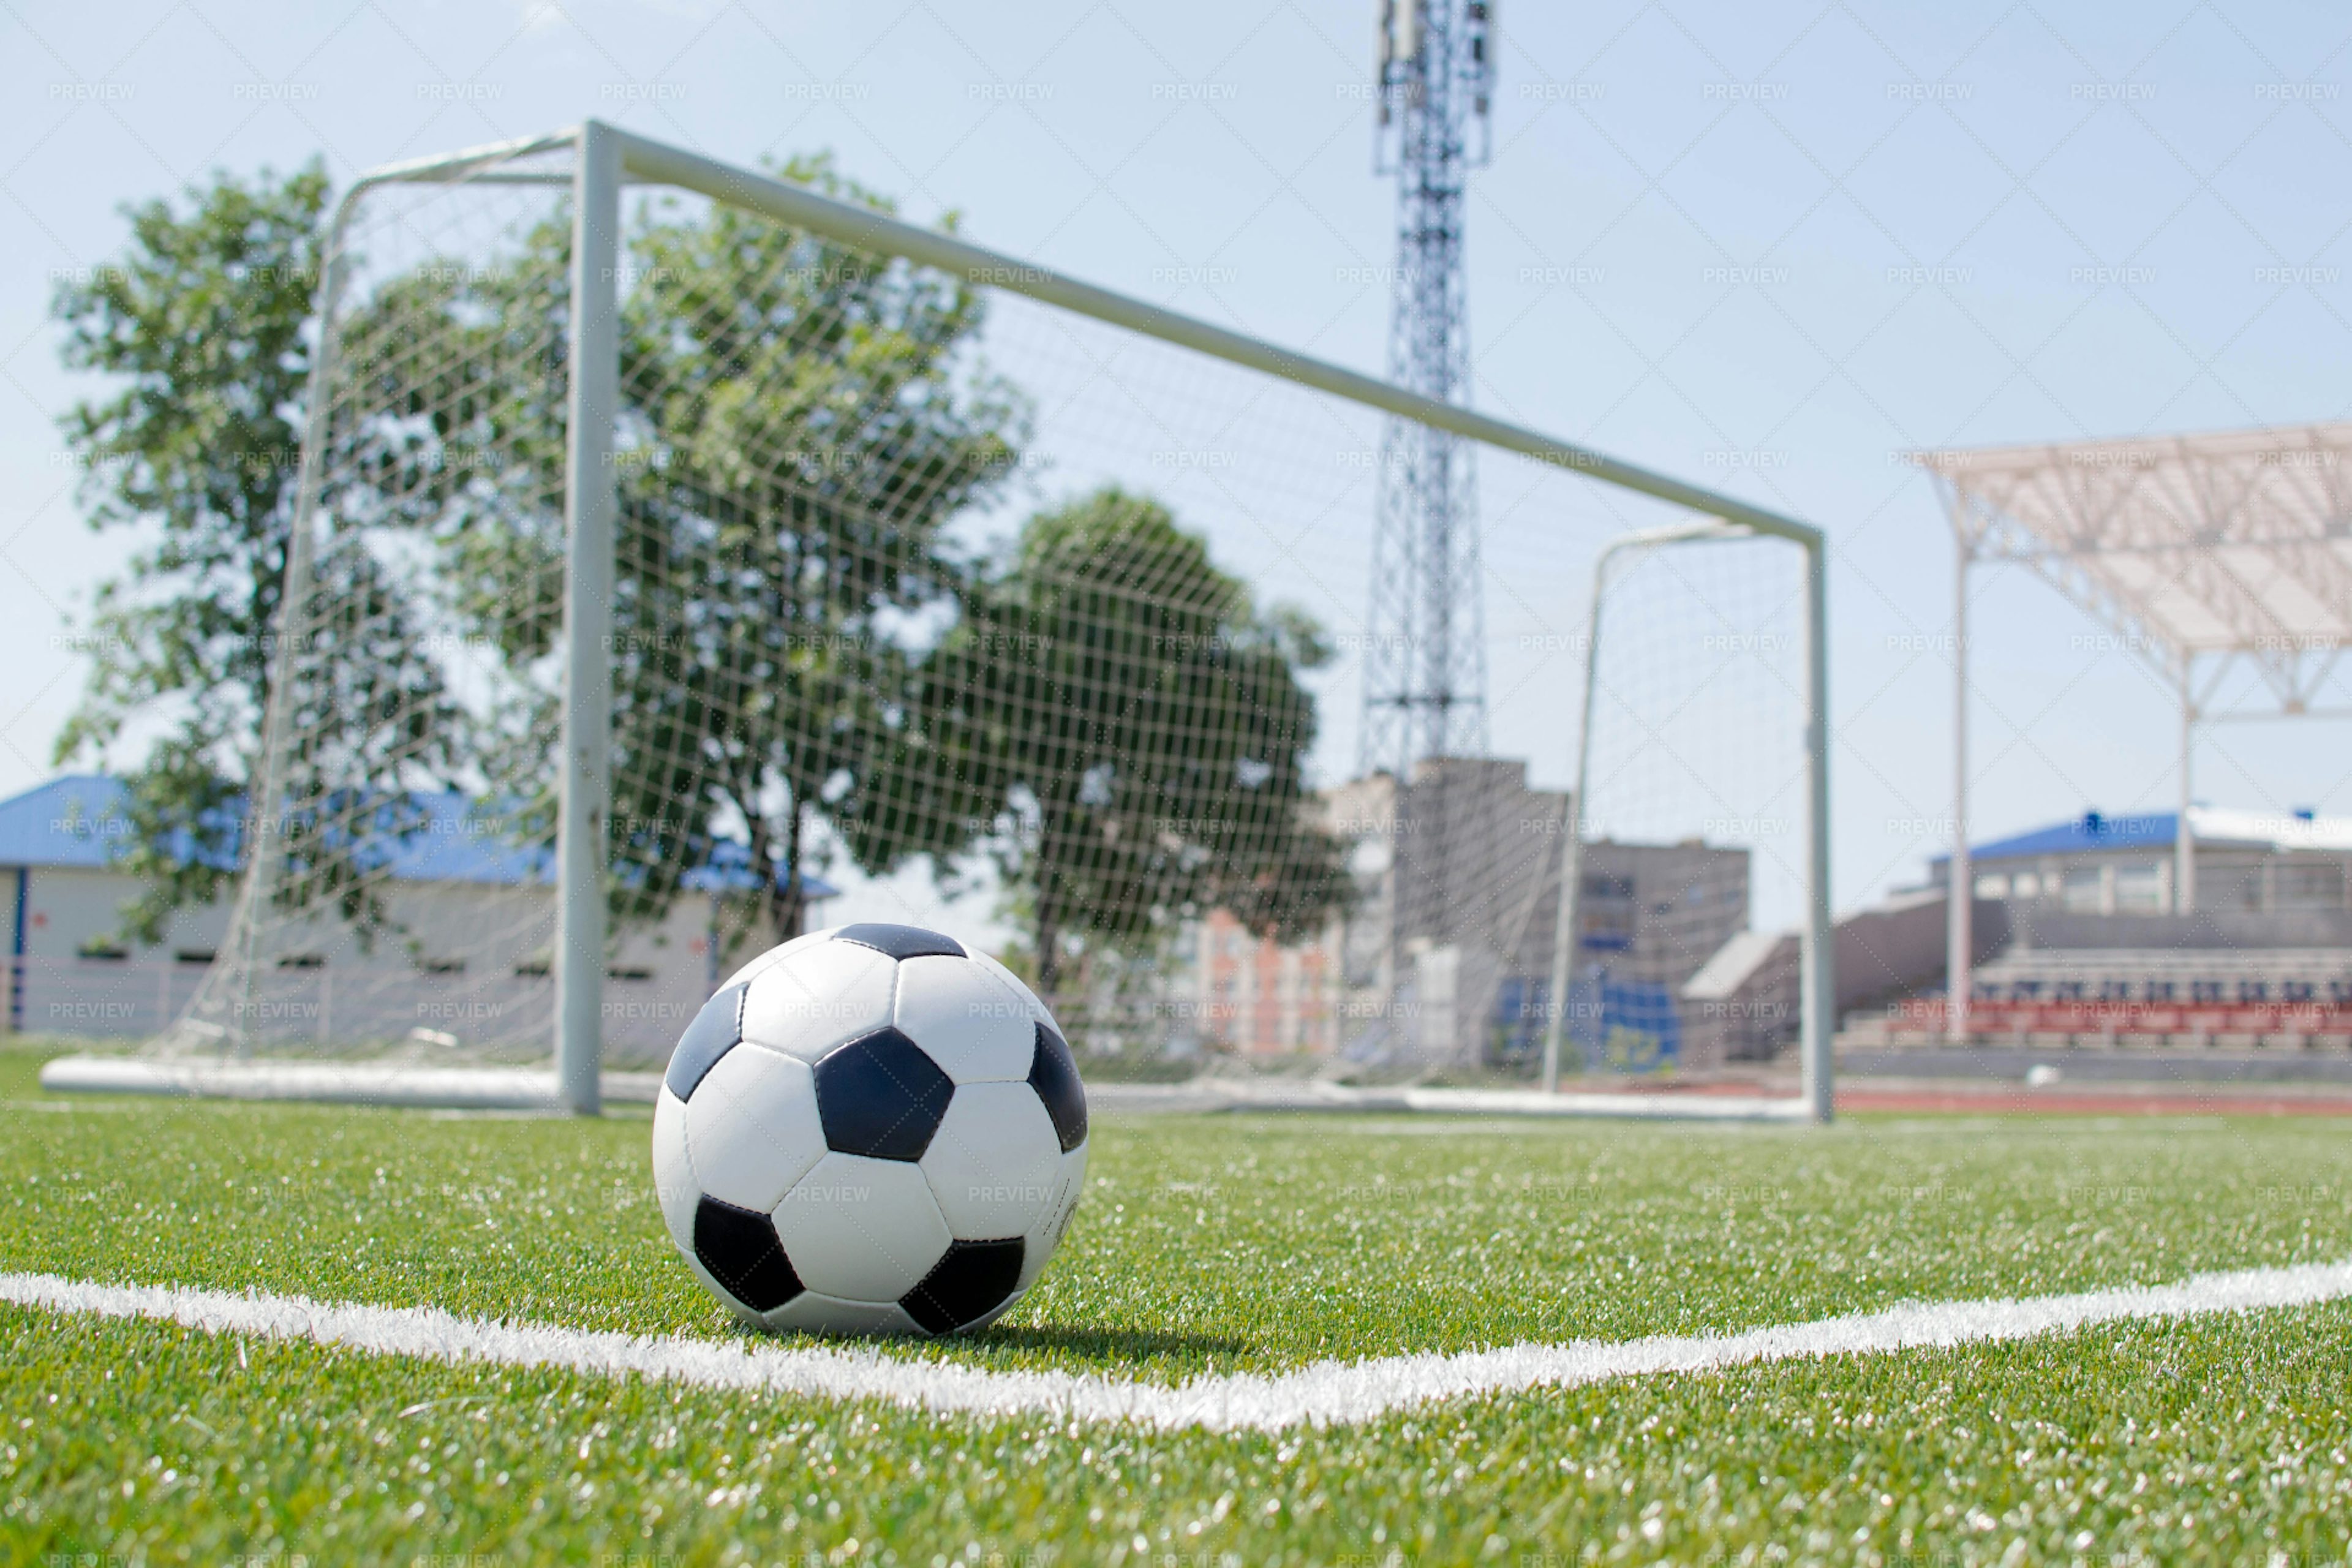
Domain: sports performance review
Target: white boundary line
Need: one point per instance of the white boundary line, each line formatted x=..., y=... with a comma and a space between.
x=1324, y=1394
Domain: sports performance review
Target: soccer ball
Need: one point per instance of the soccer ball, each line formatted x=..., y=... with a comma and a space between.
x=870, y=1130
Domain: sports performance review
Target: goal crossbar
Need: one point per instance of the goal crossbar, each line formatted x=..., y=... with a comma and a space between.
x=647, y=162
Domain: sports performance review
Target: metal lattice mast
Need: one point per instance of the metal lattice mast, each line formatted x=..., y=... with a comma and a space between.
x=1425, y=677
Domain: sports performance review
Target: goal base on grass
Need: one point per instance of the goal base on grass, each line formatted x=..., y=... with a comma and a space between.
x=336, y=1083
x=1269, y=1094
x=528, y=1089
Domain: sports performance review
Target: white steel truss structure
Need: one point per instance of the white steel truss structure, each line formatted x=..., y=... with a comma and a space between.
x=2205, y=555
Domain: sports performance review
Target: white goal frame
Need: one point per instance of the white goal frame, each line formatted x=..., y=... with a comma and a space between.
x=1816, y=952
x=606, y=158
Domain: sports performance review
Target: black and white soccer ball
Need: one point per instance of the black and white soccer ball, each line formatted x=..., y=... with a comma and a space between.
x=870, y=1130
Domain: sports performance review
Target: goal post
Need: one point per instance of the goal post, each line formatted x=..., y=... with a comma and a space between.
x=1814, y=954
x=591, y=491
x=669, y=532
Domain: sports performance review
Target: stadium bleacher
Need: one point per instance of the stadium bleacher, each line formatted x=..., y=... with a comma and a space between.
x=2299, y=998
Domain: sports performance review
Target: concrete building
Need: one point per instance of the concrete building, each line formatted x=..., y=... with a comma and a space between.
x=2245, y=862
x=2076, y=940
x=1446, y=958
x=1258, y=998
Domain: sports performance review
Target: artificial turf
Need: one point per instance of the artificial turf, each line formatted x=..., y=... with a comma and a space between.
x=1205, y=1243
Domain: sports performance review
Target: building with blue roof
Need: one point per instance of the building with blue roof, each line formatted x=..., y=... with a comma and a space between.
x=474, y=909
x=2252, y=862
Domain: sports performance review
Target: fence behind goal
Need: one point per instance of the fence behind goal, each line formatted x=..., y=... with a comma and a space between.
x=678, y=546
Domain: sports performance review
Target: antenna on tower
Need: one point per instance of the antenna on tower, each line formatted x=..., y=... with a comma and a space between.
x=1397, y=75
x=1426, y=675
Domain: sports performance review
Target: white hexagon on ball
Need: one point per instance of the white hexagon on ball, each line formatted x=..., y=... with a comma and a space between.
x=775, y=955
x=861, y=1230
x=973, y=1024
x=817, y=996
x=1018, y=986
x=810, y=1312
x=994, y=1162
x=675, y=1186
x=752, y=1128
x=1054, y=1219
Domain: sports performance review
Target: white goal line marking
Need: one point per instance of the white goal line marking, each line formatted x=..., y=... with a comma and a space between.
x=1324, y=1394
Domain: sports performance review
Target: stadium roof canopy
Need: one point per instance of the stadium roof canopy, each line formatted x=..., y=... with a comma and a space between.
x=2235, y=543
x=2206, y=552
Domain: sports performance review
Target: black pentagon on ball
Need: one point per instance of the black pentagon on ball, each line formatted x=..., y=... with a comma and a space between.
x=1054, y=1074
x=901, y=941
x=716, y=1030
x=972, y=1280
x=881, y=1095
x=740, y=1249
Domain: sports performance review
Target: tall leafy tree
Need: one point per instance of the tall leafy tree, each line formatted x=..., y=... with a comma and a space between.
x=820, y=423
x=201, y=328
x=1138, y=725
x=799, y=422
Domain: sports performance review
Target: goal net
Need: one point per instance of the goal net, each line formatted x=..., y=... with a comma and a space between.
x=1690, y=871
x=687, y=557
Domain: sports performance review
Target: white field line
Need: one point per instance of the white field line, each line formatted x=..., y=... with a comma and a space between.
x=1324, y=1394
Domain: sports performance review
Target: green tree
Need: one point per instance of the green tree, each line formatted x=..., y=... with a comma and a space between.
x=820, y=426
x=798, y=421
x=1138, y=727
x=202, y=328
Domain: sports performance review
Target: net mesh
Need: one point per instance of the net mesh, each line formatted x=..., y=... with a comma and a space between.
x=932, y=602
x=1692, y=872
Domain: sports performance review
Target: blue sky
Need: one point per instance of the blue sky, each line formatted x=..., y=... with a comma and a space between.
x=1766, y=247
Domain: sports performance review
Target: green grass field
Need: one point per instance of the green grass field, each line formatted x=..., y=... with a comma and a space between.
x=1204, y=1245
